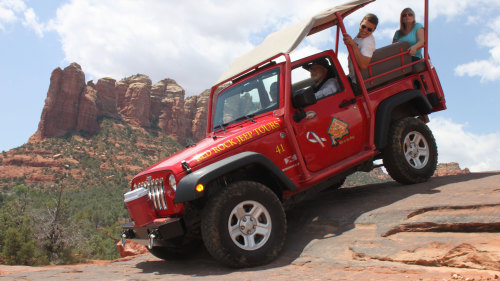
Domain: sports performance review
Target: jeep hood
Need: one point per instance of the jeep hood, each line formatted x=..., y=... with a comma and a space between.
x=286, y=40
x=209, y=148
x=189, y=154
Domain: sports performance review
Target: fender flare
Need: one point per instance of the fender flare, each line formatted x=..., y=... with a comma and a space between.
x=385, y=109
x=186, y=187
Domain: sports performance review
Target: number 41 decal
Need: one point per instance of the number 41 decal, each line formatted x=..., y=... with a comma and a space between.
x=280, y=149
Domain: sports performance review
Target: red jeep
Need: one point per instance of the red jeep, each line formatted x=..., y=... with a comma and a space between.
x=269, y=139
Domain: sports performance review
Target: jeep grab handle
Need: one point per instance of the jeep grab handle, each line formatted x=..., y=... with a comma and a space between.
x=346, y=103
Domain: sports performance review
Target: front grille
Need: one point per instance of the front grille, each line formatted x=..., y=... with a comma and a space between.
x=156, y=191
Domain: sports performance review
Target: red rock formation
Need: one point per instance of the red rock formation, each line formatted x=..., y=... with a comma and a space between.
x=119, y=92
x=136, y=102
x=60, y=113
x=450, y=169
x=197, y=112
x=106, y=99
x=169, y=108
x=72, y=106
x=87, y=112
x=31, y=161
x=157, y=95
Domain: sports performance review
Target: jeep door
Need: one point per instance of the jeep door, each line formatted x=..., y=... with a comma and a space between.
x=334, y=128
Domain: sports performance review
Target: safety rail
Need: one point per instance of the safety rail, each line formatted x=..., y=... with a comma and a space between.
x=393, y=70
x=404, y=65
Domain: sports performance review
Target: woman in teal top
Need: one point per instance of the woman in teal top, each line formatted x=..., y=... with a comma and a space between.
x=412, y=32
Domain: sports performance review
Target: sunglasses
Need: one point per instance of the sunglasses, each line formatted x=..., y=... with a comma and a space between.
x=367, y=28
x=407, y=15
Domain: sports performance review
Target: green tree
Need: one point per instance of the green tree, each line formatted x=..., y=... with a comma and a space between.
x=84, y=221
x=18, y=247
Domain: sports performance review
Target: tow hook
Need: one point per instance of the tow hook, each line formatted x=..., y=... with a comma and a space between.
x=124, y=238
x=127, y=234
x=152, y=236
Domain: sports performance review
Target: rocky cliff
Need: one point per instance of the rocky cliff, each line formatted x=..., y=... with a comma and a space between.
x=450, y=169
x=75, y=106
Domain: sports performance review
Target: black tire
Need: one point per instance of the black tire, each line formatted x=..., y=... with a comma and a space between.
x=337, y=184
x=257, y=221
x=185, y=250
x=411, y=155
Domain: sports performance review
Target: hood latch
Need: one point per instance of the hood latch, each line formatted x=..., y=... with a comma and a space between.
x=185, y=166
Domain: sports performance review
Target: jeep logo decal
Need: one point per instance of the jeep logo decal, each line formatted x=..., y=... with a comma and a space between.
x=337, y=130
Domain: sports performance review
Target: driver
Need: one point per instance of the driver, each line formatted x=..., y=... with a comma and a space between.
x=324, y=84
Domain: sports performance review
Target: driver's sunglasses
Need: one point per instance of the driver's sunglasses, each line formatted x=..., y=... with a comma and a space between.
x=367, y=28
x=407, y=15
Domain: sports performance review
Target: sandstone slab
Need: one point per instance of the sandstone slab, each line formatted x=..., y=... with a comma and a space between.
x=342, y=235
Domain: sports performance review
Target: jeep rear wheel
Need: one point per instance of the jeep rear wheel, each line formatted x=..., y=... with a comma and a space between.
x=244, y=225
x=411, y=155
x=338, y=183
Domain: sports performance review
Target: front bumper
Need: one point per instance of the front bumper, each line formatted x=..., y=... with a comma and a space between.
x=155, y=233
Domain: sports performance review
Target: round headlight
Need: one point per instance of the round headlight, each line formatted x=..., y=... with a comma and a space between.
x=172, y=182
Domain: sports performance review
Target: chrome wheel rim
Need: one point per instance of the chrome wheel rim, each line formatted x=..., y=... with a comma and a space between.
x=249, y=225
x=416, y=150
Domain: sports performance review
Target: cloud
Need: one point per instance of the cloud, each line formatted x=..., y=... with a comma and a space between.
x=481, y=13
x=31, y=21
x=194, y=41
x=387, y=33
x=9, y=10
x=487, y=69
x=388, y=11
x=473, y=151
x=12, y=11
x=190, y=41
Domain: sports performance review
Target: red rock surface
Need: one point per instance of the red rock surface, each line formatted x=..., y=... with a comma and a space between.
x=130, y=249
x=339, y=236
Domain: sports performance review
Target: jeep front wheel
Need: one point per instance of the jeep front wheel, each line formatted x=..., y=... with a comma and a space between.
x=411, y=155
x=244, y=225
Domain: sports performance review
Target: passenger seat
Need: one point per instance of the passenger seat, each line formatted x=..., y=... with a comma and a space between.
x=385, y=52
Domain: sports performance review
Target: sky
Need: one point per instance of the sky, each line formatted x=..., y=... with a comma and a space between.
x=194, y=41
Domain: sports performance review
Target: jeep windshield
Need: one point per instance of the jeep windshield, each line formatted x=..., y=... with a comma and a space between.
x=247, y=98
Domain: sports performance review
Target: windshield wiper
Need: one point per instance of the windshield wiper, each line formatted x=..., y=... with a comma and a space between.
x=221, y=126
x=248, y=117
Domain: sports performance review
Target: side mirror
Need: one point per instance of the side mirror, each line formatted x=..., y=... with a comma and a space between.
x=300, y=99
x=303, y=98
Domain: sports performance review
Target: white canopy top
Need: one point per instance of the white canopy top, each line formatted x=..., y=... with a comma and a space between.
x=286, y=40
